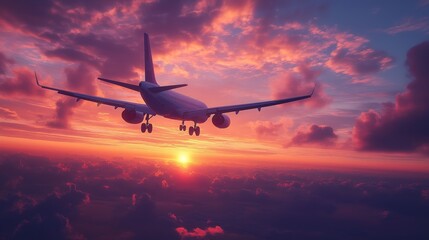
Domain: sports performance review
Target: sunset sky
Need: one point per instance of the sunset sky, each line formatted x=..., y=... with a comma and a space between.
x=370, y=113
x=364, y=111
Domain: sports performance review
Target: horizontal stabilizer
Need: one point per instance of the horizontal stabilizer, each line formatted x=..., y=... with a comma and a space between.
x=166, y=88
x=122, y=84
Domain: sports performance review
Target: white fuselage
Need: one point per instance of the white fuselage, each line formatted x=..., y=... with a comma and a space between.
x=171, y=104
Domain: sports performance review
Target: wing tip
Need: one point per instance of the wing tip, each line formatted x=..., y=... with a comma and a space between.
x=37, y=79
x=314, y=88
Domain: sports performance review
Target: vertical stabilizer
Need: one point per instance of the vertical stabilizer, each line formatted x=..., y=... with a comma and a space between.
x=148, y=64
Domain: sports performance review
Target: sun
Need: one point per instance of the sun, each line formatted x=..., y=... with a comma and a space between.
x=183, y=159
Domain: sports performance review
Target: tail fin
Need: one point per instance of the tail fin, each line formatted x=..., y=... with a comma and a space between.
x=148, y=64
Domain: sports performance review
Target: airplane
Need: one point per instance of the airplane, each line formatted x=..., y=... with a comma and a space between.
x=163, y=101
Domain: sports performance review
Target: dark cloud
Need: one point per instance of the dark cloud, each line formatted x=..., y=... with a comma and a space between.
x=401, y=126
x=177, y=20
x=320, y=135
x=69, y=199
x=72, y=55
x=61, y=22
x=22, y=83
x=50, y=17
x=34, y=16
x=80, y=78
x=121, y=56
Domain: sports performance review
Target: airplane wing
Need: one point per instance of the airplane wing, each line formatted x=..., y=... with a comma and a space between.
x=99, y=100
x=241, y=107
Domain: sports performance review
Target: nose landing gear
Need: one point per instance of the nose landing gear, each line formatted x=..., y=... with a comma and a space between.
x=182, y=127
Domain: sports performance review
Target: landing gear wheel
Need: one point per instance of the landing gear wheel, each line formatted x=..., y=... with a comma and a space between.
x=197, y=131
x=149, y=128
x=143, y=127
x=184, y=128
x=180, y=127
x=191, y=131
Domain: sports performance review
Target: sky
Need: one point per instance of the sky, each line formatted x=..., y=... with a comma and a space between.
x=353, y=157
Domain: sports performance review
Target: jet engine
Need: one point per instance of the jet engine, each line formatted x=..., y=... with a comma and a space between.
x=132, y=116
x=221, y=120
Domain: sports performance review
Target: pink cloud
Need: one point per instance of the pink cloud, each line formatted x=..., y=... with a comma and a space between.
x=4, y=61
x=318, y=135
x=270, y=128
x=82, y=78
x=358, y=61
x=300, y=82
x=6, y=113
x=400, y=126
x=164, y=183
x=22, y=83
x=198, y=232
x=63, y=112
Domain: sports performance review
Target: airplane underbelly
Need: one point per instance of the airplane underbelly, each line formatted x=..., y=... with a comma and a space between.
x=174, y=106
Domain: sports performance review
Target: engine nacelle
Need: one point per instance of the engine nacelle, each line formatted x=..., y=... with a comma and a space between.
x=221, y=120
x=132, y=116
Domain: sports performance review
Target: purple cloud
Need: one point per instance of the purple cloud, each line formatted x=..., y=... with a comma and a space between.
x=7, y=113
x=358, y=62
x=21, y=83
x=212, y=202
x=401, y=126
x=320, y=135
x=4, y=61
x=81, y=78
x=300, y=82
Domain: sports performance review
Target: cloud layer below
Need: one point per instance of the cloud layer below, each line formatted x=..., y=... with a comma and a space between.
x=70, y=199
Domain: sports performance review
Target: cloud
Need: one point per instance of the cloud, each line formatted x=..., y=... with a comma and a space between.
x=63, y=112
x=8, y=114
x=81, y=78
x=52, y=18
x=181, y=20
x=208, y=203
x=72, y=55
x=4, y=61
x=358, y=62
x=400, y=126
x=22, y=83
x=198, y=232
x=120, y=57
x=410, y=25
x=300, y=82
x=270, y=128
x=319, y=135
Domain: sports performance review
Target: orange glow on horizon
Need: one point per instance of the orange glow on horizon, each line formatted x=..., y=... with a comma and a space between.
x=292, y=158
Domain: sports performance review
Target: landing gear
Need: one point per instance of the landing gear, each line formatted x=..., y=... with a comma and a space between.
x=182, y=127
x=192, y=129
x=195, y=129
x=147, y=126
